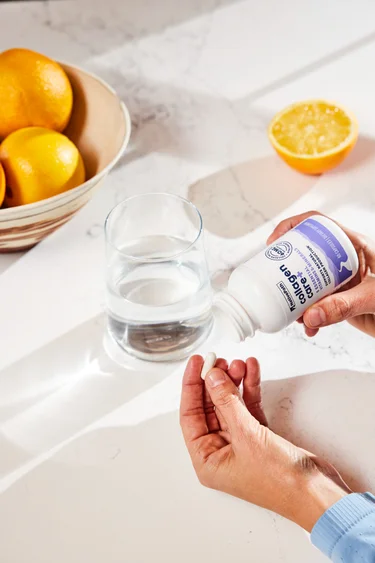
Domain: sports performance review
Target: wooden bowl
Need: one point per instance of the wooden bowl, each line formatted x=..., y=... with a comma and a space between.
x=100, y=127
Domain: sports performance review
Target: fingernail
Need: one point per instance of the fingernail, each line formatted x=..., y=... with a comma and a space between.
x=216, y=377
x=316, y=317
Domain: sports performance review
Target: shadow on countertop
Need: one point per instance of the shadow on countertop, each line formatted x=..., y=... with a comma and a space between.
x=331, y=415
x=241, y=198
x=240, y=195
x=60, y=389
x=103, y=26
x=99, y=495
x=237, y=200
x=363, y=151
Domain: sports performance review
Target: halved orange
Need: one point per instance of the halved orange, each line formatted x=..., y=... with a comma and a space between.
x=313, y=136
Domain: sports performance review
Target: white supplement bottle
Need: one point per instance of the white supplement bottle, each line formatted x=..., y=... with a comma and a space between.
x=276, y=286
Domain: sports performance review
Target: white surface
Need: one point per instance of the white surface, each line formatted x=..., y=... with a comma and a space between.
x=92, y=463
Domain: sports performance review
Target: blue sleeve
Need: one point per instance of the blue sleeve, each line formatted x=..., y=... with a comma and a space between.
x=346, y=531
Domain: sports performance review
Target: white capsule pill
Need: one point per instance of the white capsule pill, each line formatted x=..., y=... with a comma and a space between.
x=208, y=364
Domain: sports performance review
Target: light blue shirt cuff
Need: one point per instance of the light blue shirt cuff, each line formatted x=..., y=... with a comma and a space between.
x=339, y=531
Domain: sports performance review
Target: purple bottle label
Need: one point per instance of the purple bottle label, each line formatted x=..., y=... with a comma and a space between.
x=336, y=256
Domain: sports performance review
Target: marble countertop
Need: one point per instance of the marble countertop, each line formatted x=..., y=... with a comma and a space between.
x=92, y=465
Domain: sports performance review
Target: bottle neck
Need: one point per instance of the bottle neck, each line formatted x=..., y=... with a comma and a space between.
x=240, y=319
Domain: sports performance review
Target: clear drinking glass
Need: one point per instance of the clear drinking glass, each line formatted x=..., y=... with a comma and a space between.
x=158, y=287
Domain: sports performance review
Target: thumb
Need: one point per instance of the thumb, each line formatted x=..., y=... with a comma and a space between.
x=342, y=306
x=226, y=397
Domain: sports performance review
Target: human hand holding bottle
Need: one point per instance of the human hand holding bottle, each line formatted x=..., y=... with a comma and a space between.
x=354, y=302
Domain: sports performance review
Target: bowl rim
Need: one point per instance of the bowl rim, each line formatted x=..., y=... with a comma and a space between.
x=10, y=213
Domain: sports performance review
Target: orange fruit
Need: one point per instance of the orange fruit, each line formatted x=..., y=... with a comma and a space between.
x=313, y=136
x=34, y=90
x=39, y=163
x=2, y=185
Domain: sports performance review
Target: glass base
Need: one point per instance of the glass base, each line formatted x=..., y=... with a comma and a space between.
x=161, y=342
